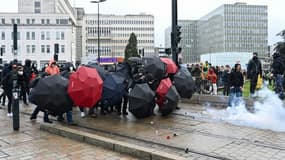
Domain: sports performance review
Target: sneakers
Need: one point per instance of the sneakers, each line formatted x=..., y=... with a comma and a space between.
x=82, y=114
x=9, y=114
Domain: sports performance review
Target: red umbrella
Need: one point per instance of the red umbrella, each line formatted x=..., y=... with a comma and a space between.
x=171, y=66
x=163, y=87
x=85, y=87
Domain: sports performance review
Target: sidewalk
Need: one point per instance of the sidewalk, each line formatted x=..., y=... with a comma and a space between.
x=31, y=143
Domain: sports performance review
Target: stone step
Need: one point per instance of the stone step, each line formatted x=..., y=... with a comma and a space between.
x=108, y=143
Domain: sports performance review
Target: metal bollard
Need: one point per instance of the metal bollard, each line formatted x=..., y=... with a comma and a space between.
x=15, y=104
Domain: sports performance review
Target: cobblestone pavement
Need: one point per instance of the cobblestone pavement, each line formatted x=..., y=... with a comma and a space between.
x=31, y=143
x=205, y=138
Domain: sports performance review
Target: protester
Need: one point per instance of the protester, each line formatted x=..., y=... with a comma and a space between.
x=253, y=70
x=236, y=85
x=278, y=72
x=52, y=69
x=225, y=79
x=213, y=78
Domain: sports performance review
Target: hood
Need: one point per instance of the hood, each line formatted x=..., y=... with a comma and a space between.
x=28, y=63
x=50, y=62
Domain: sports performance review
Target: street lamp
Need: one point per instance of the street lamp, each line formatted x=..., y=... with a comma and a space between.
x=98, y=30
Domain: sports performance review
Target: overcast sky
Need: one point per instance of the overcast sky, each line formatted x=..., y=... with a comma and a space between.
x=161, y=9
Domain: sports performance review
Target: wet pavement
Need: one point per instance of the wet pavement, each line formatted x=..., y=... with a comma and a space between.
x=191, y=129
x=31, y=143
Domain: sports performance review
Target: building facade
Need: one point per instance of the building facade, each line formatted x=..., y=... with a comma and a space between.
x=230, y=28
x=38, y=31
x=115, y=31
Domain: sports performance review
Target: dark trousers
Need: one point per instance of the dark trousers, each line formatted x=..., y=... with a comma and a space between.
x=253, y=82
x=226, y=90
x=9, y=95
x=125, y=104
x=24, y=94
x=36, y=112
x=3, y=97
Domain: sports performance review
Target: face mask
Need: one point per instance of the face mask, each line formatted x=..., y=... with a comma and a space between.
x=20, y=72
x=70, y=68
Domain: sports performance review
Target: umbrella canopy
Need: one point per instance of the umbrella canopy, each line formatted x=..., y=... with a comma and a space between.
x=171, y=101
x=85, y=87
x=163, y=87
x=51, y=94
x=99, y=69
x=141, y=101
x=170, y=65
x=135, y=59
x=124, y=69
x=155, y=67
x=113, y=88
x=184, y=83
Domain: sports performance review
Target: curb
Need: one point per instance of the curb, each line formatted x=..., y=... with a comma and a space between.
x=114, y=145
x=216, y=101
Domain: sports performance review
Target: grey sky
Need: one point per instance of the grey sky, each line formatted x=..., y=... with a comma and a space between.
x=161, y=9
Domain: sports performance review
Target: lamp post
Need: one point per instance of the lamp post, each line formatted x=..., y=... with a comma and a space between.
x=98, y=29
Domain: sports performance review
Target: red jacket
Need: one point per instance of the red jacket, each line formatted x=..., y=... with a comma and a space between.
x=212, y=76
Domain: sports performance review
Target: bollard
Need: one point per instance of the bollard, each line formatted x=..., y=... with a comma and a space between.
x=15, y=103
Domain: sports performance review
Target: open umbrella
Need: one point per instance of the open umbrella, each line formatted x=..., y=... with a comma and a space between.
x=184, y=83
x=85, y=87
x=171, y=66
x=163, y=87
x=141, y=101
x=171, y=101
x=124, y=69
x=99, y=69
x=155, y=67
x=113, y=89
x=51, y=94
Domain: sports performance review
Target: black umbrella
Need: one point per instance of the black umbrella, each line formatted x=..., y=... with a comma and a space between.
x=124, y=69
x=171, y=101
x=99, y=69
x=113, y=89
x=141, y=101
x=155, y=67
x=135, y=59
x=51, y=94
x=184, y=83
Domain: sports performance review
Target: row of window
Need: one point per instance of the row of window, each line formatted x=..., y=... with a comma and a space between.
x=32, y=35
x=33, y=48
x=33, y=21
x=94, y=22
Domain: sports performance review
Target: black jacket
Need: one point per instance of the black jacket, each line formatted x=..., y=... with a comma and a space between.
x=236, y=79
x=254, y=68
x=278, y=65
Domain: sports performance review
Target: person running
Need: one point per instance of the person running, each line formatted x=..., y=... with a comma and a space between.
x=236, y=82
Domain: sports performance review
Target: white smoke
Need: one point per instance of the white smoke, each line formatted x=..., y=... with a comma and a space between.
x=267, y=113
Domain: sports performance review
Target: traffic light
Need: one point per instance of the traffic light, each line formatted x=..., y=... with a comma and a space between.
x=178, y=35
x=15, y=38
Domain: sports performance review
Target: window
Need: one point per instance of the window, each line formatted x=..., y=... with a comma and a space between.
x=37, y=6
x=57, y=21
x=28, y=36
x=33, y=48
x=48, y=21
x=13, y=21
x=47, y=35
x=3, y=20
x=4, y=48
x=33, y=21
x=33, y=36
x=43, y=21
x=3, y=36
x=62, y=48
x=28, y=21
x=42, y=35
x=62, y=35
x=28, y=48
x=57, y=36
x=43, y=48
x=48, y=48
x=18, y=21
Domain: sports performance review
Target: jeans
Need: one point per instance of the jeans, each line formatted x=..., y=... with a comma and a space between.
x=235, y=96
x=278, y=85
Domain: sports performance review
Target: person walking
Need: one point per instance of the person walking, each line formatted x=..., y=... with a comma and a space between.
x=236, y=82
x=52, y=69
x=253, y=70
x=278, y=72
